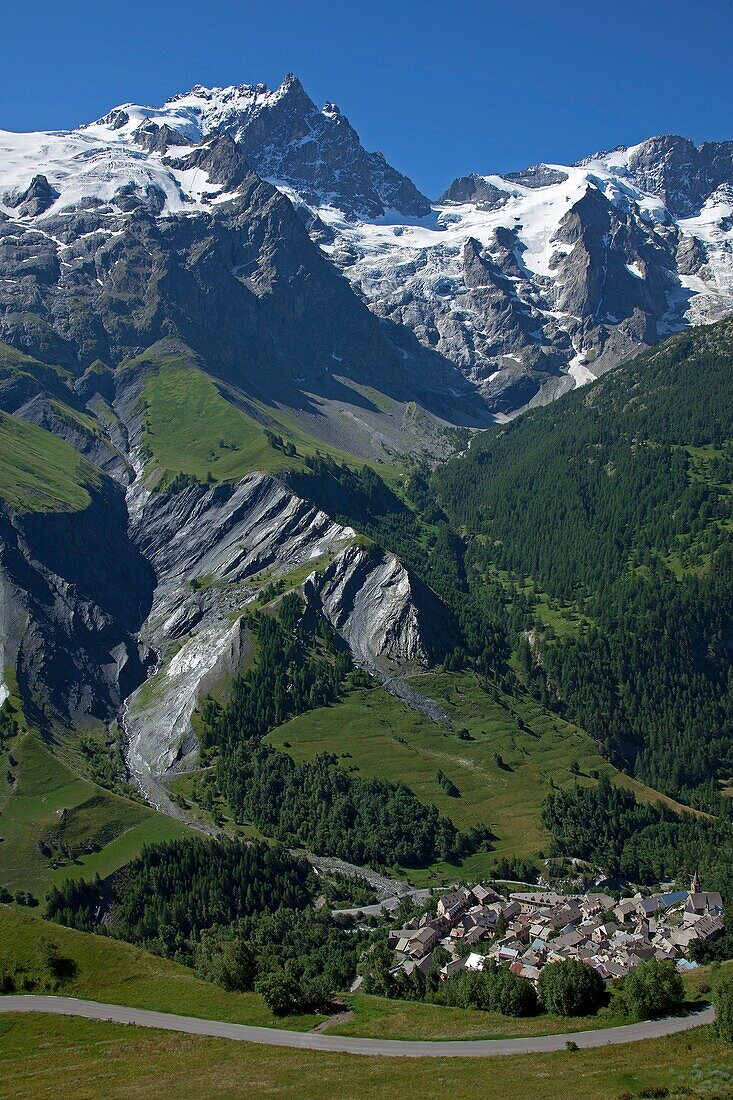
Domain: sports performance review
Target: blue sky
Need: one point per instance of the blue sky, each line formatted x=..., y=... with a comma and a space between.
x=441, y=88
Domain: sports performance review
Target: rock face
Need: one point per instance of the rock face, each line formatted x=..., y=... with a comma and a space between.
x=286, y=139
x=212, y=551
x=35, y=200
x=145, y=225
x=191, y=245
x=132, y=608
x=682, y=174
x=540, y=280
x=74, y=592
x=477, y=190
x=389, y=619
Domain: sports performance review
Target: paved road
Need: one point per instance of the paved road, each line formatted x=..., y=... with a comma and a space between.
x=384, y=885
x=309, y=1040
x=389, y=905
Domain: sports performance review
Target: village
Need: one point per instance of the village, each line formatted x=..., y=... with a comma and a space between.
x=527, y=930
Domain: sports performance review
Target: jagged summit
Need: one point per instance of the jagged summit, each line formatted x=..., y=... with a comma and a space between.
x=684, y=175
x=315, y=153
x=571, y=268
x=539, y=280
x=679, y=172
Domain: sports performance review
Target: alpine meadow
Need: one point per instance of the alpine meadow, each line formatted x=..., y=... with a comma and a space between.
x=366, y=588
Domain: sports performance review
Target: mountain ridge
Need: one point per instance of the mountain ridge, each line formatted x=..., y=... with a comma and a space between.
x=651, y=251
x=202, y=335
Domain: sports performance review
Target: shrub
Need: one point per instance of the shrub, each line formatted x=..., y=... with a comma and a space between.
x=7, y=980
x=570, y=988
x=512, y=995
x=25, y=897
x=494, y=989
x=723, y=1001
x=654, y=989
x=280, y=992
x=228, y=961
x=448, y=786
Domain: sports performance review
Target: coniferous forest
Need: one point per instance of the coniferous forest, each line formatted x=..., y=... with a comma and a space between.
x=615, y=503
x=314, y=804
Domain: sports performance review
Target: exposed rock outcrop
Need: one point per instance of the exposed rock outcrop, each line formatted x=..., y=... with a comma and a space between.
x=213, y=550
x=316, y=152
x=392, y=623
x=389, y=619
x=680, y=172
x=35, y=200
x=74, y=592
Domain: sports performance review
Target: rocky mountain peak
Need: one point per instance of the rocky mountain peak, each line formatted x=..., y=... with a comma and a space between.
x=475, y=189
x=680, y=172
x=673, y=168
x=35, y=200
x=286, y=138
x=318, y=154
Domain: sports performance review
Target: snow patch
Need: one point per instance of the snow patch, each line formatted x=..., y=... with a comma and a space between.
x=580, y=372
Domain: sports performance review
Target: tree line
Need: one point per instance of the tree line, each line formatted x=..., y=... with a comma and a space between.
x=314, y=804
x=645, y=843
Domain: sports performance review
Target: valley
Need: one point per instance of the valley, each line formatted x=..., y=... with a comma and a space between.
x=354, y=545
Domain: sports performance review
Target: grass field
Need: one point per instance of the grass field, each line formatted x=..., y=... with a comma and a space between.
x=191, y=428
x=382, y=737
x=118, y=973
x=49, y=798
x=380, y=1018
x=46, y=1056
x=41, y=473
x=115, y=972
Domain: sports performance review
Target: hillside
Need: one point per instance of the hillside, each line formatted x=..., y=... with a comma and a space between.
x=611, y=512
x=514, y=754
x=40, y=473
x=502, y=554
x=106, y=969
x=57, y=824
x=245, y=587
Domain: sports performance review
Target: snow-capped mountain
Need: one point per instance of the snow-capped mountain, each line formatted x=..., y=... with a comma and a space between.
x=283, y=135
x=539, y=281
x=151, y=226
x=530, y=283
x=285, y=138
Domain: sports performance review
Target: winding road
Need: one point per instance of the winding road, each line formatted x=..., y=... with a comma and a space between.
x=388, y=905
x=391, y=1048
